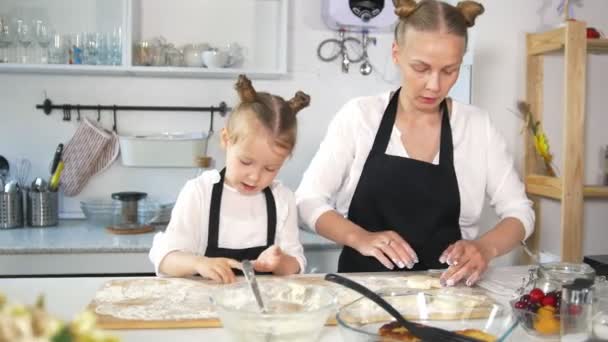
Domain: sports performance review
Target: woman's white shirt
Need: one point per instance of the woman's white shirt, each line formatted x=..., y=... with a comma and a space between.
x=243, y=221
x=483, y=165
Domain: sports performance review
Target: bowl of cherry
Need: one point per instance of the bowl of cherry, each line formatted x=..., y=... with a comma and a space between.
x=538, y=312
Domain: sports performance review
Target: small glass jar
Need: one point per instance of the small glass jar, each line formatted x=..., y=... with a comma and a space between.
x=564, y=273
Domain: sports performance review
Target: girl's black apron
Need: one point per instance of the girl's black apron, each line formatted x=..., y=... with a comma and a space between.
x=416, y=199
x=252, y=253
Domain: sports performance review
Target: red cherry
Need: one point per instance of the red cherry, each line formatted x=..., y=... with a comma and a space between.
x=536, y=295
x=520, y=305
x=550, y=300
x=525, y=298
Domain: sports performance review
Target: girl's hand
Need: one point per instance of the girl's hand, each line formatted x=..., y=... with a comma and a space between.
x=269, y=259
x=468, y=259
x=388, y=247
x=217, y=269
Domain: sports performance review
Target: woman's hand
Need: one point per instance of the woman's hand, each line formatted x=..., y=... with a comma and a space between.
x=217, y=269
x=386, y=246
x=468, y=259
x=269, y=259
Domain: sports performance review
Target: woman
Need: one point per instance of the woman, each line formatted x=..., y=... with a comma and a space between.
x=400, y=179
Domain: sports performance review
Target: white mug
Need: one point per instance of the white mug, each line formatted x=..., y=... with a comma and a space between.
x=216, y=59
x=193, y=54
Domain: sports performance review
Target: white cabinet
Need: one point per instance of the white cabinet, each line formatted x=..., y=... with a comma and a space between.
x=259, y=27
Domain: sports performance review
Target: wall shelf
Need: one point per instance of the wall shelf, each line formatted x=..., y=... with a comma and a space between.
x=259, y=26
x=551, y=187
x=570, y=40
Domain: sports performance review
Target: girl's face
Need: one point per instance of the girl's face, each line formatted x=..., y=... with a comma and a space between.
x=429, y=63
x=253, y=162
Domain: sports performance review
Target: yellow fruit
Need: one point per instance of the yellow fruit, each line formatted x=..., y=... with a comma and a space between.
x=546, y=311
x=547, y=326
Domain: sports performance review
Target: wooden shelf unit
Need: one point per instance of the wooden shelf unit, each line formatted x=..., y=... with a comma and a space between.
x=551, y=187
x=571, y=40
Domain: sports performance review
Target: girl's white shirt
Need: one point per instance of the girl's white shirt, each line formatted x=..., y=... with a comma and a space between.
x=243, y=221
x=483, y=165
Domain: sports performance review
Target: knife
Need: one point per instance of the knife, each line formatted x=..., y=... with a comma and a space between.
x=56, y=158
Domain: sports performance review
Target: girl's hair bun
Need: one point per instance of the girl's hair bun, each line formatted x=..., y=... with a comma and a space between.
x=405, y=8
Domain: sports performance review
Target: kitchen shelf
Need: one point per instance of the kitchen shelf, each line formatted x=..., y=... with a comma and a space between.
x=555, y=41
x=570, y=40
x=143, y=71
x=259, y=26
x=551, y=187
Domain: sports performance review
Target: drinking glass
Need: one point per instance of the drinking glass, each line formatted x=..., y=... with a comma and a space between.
x=24, y=36
x=43, y=37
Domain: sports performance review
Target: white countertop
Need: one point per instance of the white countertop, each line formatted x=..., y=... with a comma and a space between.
x=65, y=297
x=78, y=236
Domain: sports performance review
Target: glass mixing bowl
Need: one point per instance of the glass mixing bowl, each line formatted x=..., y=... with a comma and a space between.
x=296, y=312
x=361, y=320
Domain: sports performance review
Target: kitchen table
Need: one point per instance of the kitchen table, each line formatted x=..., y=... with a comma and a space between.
x=65, y=297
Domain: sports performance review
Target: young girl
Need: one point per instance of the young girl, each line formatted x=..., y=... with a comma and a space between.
x=222, y=218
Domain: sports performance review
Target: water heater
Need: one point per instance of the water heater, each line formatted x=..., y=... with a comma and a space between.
x=359, y=15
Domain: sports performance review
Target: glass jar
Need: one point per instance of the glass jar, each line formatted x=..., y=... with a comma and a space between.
x=564, y=273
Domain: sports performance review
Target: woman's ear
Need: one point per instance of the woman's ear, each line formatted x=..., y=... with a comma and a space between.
x=395, y=53
x=224, y=138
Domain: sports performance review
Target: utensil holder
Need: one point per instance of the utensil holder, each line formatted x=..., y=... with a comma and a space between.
x=11, y=209
x=42, y=208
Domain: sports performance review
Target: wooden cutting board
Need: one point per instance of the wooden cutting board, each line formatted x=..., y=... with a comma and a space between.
x=106, y=321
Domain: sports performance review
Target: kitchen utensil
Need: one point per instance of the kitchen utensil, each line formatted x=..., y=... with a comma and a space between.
x=56, y=158
x=366, y=67
x=22, y=171
x=4, y=168
x=253, y=284
x=295, y=312
x=426, y=333
x=39, y=185
x=11, y=186
x=54, y=182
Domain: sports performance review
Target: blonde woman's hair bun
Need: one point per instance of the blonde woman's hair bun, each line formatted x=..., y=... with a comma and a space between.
x=405, y=8
x=470, y=10
x=245, y=89
x=298, y=102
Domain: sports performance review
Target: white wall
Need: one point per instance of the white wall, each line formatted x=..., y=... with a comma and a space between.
x=497, y=83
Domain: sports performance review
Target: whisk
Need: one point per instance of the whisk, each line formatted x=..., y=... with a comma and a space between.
x=21, y=173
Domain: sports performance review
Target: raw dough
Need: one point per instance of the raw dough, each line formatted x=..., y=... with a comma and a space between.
x=155, y=299
x=422, y=282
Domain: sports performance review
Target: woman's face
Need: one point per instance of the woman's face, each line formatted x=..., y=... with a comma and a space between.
x=429, y=63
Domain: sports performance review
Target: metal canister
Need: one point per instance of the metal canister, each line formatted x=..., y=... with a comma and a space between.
x=11, y=209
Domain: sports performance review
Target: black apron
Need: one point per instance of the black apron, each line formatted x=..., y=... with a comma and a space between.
x=416, y=199
x=252, y=253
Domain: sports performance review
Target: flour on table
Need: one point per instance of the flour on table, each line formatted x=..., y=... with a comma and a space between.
x=155, y=299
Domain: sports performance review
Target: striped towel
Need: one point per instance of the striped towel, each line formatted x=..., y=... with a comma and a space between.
x=91, y=150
